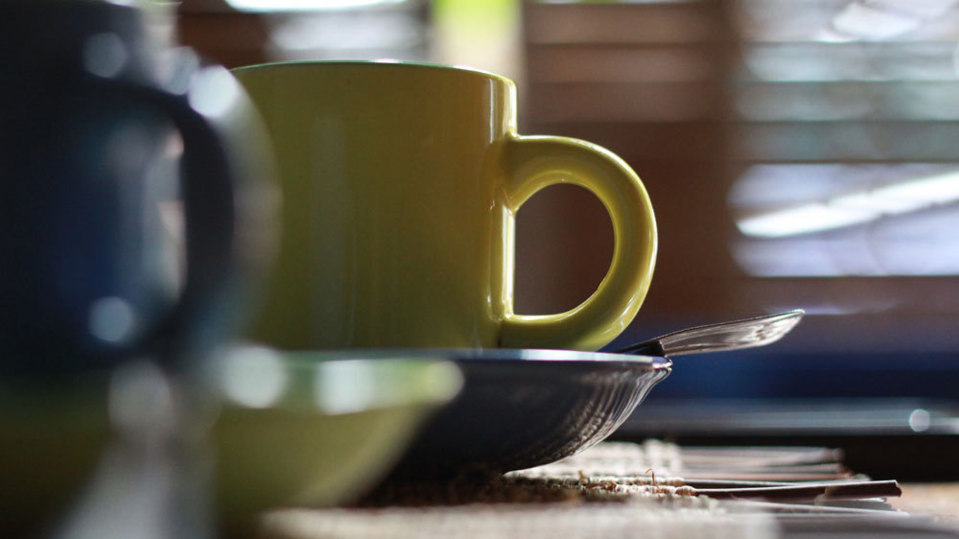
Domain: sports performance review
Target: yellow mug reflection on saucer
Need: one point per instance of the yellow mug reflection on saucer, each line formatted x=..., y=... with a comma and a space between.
x=400, y=183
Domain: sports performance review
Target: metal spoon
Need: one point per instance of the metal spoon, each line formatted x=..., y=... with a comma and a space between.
x=723, y=336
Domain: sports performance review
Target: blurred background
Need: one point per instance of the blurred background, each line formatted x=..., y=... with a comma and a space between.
x=799, y=154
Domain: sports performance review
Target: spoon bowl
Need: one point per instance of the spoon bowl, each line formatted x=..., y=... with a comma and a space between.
x=720, y=337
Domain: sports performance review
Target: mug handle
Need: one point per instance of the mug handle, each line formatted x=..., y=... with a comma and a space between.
x=208, y=190
x=535, y=162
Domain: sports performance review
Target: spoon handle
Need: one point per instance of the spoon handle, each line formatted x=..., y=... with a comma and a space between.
x=719, y=337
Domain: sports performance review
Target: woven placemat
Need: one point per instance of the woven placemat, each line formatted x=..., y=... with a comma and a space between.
x=610, y=490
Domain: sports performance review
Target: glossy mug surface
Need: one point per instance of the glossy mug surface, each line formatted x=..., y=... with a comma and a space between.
x=400, y=183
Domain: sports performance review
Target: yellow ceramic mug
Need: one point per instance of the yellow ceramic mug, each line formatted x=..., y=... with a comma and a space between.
x=400, y=183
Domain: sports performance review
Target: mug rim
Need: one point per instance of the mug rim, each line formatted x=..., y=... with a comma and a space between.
x=375, y=63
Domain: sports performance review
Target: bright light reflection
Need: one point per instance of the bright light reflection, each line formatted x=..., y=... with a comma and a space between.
x=105, y=55
x=112, y=319
x=214, y=92
x=915, y=244
x=871, y=20
x=344, y=387
x=801, y=220
x=919, y=420
x=855, y=208
x=868, y=22
x=304, y=5
x=325, y=31
x=254, y=377
x=847, y=220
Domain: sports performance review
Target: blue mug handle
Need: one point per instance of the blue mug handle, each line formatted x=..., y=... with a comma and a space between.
x=208, y=187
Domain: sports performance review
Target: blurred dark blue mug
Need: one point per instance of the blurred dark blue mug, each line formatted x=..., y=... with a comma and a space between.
x=131, y=183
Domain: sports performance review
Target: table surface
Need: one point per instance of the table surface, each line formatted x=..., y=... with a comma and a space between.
x=939, y=500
